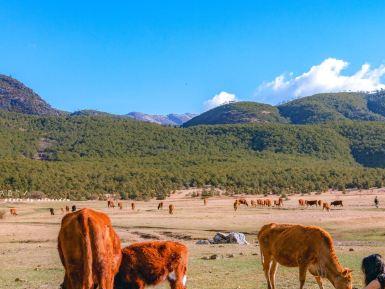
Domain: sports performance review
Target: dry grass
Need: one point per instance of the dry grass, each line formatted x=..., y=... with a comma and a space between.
x=28, y=241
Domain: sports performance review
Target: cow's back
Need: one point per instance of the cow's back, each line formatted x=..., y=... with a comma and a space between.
x=88, y=247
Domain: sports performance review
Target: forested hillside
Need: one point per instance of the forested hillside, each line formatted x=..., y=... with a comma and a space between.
x=85, y=156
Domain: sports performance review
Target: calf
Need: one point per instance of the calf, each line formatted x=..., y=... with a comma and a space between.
x=52, y=211
x=151, y=263
x=89, y=250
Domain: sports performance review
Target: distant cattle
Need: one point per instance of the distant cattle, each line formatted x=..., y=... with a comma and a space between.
x=243, y=201
x=260, y=202
x=133, y=206
x=235, y=205
x=89, y=250
x=267, y=203
x=311, y=203
x=120, y=205
x=151, y=263
x=336, y=203
x=62, y=210
x=253, y=203
x=278, y=203
x=205, y=201
x=52, y=211
x=301, y=202
x=73, y=209
x=320, y=202
x=13, y=211
x=309, y=248
x=171, y=209
x=325, y=206
x=67, y=208
x=110, y=204
x=160, y=205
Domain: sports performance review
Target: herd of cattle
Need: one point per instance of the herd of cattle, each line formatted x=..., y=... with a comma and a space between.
x=91, y=253
x=241, y=201
x=279, y=203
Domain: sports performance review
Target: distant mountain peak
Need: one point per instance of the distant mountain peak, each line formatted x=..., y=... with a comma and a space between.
x=169, y=119
x=16, y=97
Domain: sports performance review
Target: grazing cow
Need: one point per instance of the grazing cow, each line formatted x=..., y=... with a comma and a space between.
x=171, y=209
x=311, y=203
x=301, y=202
x=253, y=203
x=73, y=209
x=110, y=204
x=160, y=205
x=336, y=203
x=120, y=205
x=13, y=211
x=67, y=209
x=320, y=202
x=205, y=201
x=307, y=247
x=325, y=206
x=133, y=206
x=236, y=205
x=267, y=202
x=89, y=250
x=243, y=201
x=52, y=211
x=151, y=263
x=278, y=203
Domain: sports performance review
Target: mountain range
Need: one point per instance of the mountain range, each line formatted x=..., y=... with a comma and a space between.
x=319, y=108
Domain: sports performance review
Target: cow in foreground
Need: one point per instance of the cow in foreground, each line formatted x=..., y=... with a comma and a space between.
x=151, y=263
x=89, y=250
x=307, y=247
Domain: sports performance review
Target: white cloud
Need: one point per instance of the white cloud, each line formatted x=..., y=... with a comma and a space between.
x=221, y=98
x=325, y=77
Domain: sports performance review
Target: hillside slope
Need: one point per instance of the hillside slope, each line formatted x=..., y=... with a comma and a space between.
x=237, y=113
x=16, y=97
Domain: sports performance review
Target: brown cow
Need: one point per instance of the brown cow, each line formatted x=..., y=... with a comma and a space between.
x=267, y=202
x=171, y=209
x=110, y=204
x=120, y=205
x=336, y=203
x=320, y=202
x=311, y=203
x=13, y=211
x=133, y=206
x=301, y=202
x=52, y=211
x=325, y=206
x=236, y=205
x=67, y=209
x=260, y=202
x=253, y=203
x=151, y=263
x=278, y=203
x=205, y=201
x=160, y=205
x=243, y=201
x=89, y=250
x=309, y=248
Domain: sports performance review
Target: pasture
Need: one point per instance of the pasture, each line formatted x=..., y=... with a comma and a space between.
x=28, y=241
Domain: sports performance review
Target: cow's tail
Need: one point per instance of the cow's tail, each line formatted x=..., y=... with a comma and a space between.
x=87, y=251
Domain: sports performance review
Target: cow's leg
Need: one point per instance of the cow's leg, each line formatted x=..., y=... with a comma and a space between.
x=178, y=278
x=266, y=263
x=302, y=275
x=316, y=273
x=319, y=281
x=273, y=270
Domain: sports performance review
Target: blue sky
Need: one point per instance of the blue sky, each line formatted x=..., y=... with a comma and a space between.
x=172, y=56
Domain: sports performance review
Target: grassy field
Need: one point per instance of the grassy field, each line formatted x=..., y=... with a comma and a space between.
x=29, y=258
